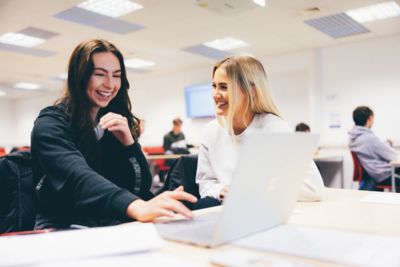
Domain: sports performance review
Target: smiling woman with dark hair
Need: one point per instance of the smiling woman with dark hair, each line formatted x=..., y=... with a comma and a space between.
x=87, y=161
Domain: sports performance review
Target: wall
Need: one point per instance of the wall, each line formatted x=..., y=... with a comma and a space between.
x=7, y=122
x=364, y=73
x=317, y=86
x=160, y=99
x=26, y=112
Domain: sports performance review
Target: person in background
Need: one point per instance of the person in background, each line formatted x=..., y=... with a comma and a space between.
x=373, y=154
x=302, y=127
x=174, y=141
x=86, y=159
x=243, y=103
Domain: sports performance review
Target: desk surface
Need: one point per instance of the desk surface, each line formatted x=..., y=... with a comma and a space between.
x=328, y=158
x=165, y=156
x=341, y=210
x=395, y=163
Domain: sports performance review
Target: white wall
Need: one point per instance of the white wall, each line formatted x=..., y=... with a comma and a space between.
x=364, y=73
x=160, y=99
x=7, y=122
x=315, y=86
x=26, y=112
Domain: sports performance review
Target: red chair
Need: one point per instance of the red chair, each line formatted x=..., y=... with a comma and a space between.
x=361, y=176
x=2, y=151
x=161, y=168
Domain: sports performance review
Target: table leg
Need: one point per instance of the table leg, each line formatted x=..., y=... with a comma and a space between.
x=393, y=179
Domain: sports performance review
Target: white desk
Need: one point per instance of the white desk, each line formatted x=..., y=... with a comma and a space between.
x=163, y=156
x=341, y=210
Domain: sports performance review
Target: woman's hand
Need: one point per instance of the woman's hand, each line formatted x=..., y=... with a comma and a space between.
x=166, y=204
x=223, y=193
x=118, y=126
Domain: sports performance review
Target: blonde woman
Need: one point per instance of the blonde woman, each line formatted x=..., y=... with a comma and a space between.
x=243, y=103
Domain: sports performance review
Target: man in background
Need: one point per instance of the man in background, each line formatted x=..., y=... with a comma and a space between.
x=373, y=154
x=174, y=140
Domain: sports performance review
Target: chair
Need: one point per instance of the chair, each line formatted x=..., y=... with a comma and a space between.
x=365, y=181
x=2, y=151
x=161, y=168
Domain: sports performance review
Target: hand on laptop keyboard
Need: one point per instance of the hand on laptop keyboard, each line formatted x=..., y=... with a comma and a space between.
x=166, y=204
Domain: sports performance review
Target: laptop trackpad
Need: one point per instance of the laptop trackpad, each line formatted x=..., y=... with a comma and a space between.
x=198, y=231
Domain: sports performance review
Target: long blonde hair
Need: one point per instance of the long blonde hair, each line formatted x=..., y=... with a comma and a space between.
x=247, y=74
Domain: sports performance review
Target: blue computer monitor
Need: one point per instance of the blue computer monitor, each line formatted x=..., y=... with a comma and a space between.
x=199, y=102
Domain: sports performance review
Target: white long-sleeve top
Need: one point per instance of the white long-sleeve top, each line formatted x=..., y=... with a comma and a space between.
x=219, y=152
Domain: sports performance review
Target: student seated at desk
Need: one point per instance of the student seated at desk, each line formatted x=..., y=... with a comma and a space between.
x=373, y=154
x=87, y=162
x=243, y=103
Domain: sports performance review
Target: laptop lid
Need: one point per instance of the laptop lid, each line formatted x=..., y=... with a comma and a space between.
x=270, y=172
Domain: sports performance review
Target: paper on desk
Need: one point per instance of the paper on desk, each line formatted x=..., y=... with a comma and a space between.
x=328, y=245
x=382, y=198
x=246, y=258
x=74, y=244
x=144, y=259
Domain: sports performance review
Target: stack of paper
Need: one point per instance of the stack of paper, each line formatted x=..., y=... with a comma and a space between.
x=60, y=246
x=328, y=245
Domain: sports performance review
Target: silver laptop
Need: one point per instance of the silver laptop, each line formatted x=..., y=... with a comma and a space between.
x=265, y=186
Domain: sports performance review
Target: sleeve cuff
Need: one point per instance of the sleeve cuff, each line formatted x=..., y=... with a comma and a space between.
x=120, y=202
x=133, y=149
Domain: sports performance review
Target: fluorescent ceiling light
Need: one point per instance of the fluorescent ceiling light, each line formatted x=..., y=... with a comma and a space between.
x=62, y=76
x=226, y=44
x=2, y=93
x=26, y=86
x=375, y=12
x=20, y=39
x=111, y=8
x=137, y=63
x=259, y=2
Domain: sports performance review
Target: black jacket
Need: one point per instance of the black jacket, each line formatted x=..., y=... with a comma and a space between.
x=72, y=192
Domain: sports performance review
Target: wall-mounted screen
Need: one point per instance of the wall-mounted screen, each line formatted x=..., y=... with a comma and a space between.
x=199, y=102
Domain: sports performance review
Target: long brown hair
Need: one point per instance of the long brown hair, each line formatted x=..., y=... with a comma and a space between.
x=76, y=102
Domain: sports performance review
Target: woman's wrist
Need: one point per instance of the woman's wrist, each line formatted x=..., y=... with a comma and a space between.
x=134, y=208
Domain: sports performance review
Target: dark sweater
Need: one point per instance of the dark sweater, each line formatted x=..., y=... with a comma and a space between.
x=171, y=138
x=72, y=192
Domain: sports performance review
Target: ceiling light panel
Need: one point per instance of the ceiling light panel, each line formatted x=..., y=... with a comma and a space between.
x=62, y=76
x=230, y=7
x=259, y=2
x=375, y=12
x=27, y=50
x=2, y=93
x=26, y=86
x=137, y=63
x=226, y=44
x=111, y=8
x=337, y=26
x=206, y=51
x=39, y=33
x=19, y=39
x=103, y=22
